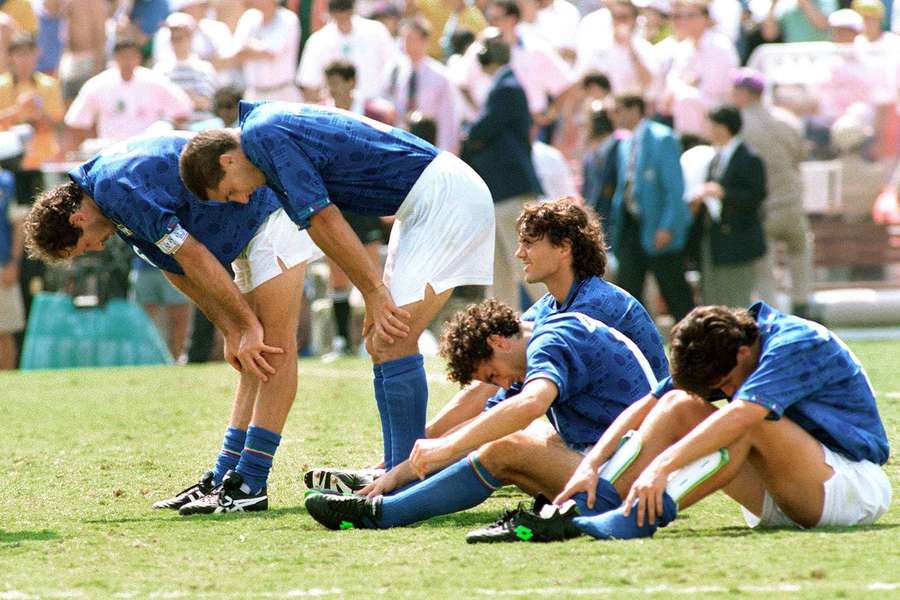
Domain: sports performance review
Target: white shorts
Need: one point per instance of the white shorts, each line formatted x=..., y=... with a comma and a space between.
x=443, y=234
x=12, y=310
x=857, y=494
x=277, y=239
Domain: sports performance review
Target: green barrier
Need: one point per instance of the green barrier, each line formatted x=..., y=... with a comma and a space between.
x=60, y=336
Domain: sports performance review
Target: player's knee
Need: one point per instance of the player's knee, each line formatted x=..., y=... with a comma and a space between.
x=684, y=407
x=499, y=457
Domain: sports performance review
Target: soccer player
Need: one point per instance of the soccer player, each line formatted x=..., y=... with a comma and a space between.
x=133, y=189
x=577, y=371
x=802, y=432
x=319, y=160
x=562, y=246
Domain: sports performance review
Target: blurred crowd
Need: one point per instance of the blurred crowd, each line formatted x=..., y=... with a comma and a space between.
x=645, y=109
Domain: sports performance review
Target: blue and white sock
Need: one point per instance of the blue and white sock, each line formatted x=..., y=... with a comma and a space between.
x=614, y=525
x=464, y=484
x=378, y=384
x=256, y=459
x=230, y=454
x=406, y=401
x=607, y=498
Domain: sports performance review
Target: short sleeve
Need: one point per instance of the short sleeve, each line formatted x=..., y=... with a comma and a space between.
x=145, y=213
x=548, y=358
x=663, y=387
x=784, y=376
x=288, y=170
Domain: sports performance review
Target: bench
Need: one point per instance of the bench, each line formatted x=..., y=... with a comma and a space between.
x=862, y=248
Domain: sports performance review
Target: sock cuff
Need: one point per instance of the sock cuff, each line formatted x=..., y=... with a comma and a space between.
x=400, y=366
x=234, y=438
x=483, y=475
x=258, y=438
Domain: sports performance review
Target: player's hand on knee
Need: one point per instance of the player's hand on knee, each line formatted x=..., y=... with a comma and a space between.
x=646, y=495
x=427, y=455
x=389, y=321
x=250, y=353
x=583, y=480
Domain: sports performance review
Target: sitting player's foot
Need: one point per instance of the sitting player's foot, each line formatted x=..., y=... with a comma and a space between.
x=232, y=496
x=343, y=512
x=337, y=480
x=553, y=524
x=196, y=491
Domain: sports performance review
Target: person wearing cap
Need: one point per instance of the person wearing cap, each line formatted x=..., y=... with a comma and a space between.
x=197, y=77
x=777, y=137
x=210, y=38
x=125, y=99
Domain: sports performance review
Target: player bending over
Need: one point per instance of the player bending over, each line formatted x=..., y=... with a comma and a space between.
x=575, y=370
x=133, y=189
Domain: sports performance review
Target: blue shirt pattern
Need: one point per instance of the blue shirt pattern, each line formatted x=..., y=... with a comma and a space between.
x=597, y=370
x=313, y=156
x=136, y=185
x=610, y=304
x=808, y=374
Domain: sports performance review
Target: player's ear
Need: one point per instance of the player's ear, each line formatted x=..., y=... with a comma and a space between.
x=226, y=159
x=78, y=218
x=498, y=343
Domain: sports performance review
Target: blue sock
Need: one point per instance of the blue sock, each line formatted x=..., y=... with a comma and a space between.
x=464, y=484
x=406, y=401
x=613, y=525
x=256, y=459
x=230, y=453
x=378, y=383
x=607, y=499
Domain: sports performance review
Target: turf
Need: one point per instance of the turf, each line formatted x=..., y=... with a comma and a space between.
x=85, y=453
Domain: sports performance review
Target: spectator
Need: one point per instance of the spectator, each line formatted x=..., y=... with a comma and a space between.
x=364, y=42
x=125, y=99
x=459, y=43
x=29, y=96
x=553, y=171
x=195, y=76
x=627, y=59
x=703, y=60
x=657, y=25
x=140, y=19
x=448, y=17
x=798, y=20
x=169, y=309
x=49, y=35
x=554, y=21
x=728, y=211
x=84, y=54
x=340, y=79
x=12, y=311
x=777, y=137
x=419, y=83
x=497, y=146
x=210, y=40
x=265, y=44
x=22, y=13
x=599, y=167
x=649, y=219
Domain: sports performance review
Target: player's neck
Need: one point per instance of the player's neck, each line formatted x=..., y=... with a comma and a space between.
x=560, y=283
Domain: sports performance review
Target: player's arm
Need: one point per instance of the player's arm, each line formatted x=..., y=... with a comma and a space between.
x=508, y=417
x=467, y=404
x=331, y=233
x=228, y=309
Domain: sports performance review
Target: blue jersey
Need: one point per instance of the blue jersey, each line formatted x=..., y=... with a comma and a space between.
x=598, y=371
x=136, y=185
x=313, y=156
x=603, y=301
x=810, y=376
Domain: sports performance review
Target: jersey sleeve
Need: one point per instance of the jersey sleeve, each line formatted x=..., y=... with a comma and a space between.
x=287, y=169
x=146, y=213
x=548, y=358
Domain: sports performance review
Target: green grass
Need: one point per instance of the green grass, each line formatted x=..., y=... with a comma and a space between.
x=83, y=454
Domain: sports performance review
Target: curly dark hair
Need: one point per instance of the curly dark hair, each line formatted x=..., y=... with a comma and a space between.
x=562, y=220
x=48, y=232
x=199, y=165
x=464, y=339
x=705, y=345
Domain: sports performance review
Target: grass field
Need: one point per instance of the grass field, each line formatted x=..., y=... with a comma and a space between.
x=83, y=454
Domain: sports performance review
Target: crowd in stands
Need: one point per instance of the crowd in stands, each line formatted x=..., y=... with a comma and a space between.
x=643, y=108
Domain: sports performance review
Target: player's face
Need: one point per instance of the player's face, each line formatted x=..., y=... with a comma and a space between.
x=499, y=371
x=540, y=258
x=95, y=230
x=240, y=181
x=736, y=377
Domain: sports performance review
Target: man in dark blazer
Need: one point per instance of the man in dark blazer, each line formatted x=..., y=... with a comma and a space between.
x=498, y=147
x=649, y=220
x=729, y=210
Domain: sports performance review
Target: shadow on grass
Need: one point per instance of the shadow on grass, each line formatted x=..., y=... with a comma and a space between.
x=173, y=517
x=739, y=531
x=14, y=537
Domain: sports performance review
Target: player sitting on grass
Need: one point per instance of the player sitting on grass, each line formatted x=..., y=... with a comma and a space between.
x=801, y=433
x=575, y=370
x=562, y=246
x=133, y=189
x=319, y=160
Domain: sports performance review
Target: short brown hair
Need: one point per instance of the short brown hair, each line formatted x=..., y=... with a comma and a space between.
x=464, y=340
x=48, y=231
x=561, y=220
x=705, y=346
x=199, y=162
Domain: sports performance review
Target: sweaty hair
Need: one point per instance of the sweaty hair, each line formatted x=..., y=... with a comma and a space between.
x=705, y=346
x=563, y=220
x=199, y=162
x=464, y=340
x=47, y=229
